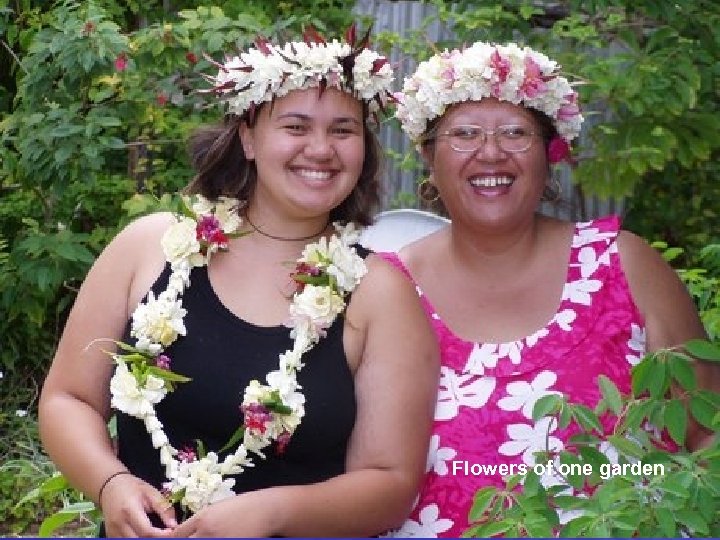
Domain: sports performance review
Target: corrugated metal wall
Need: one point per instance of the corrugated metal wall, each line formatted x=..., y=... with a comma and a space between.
x=401, y=16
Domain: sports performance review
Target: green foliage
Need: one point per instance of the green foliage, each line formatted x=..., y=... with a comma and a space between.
x=678, y=492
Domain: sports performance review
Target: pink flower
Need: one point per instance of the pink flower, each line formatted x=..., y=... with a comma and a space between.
x=256, y=415
x=187, y=454
x=501, y=66
x=121, y=62
x=569, y=110
x=208, y=228
x=161, y=99
x=282, y=441
x=558, y=150
x=162, y=361
x=533, y=85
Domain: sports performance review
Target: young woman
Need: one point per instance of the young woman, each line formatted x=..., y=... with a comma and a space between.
x=311, y=360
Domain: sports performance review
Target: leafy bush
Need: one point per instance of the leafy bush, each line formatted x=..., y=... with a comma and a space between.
x=597, y=491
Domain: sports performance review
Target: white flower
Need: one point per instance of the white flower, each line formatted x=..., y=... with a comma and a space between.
x=320, y=304
x=202, y=482
x=179, y=242
x=21, y=413
x=527, y=440
x=257, y=76
x=131, y=398
x=158, y=321
x=636, y=343
x=480, y=357
x=487, y=70
x=579, y=291
x=564, y=319
x=522, y=395
x=456, y=390
x=429, y=524
x=437, y=457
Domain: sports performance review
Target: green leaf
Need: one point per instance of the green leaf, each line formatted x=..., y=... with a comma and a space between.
x=693, y=520
x=626, y=446
x=586, y=418
x=481, y=502
x=683, y=373
x=575, y=527
x=54, y=522
x=546, y=405
x=703, y=408
x=611, y=394
x=703, y=349
x=666, y=522
x=676, y=420
x=234, y=440
x=493, y=528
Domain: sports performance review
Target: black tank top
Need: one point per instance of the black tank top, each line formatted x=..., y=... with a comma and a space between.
x=222, y=354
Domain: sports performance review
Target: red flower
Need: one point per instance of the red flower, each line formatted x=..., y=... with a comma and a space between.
x=191, y=57
x=88, y=28
x=161, y=99
x=282, y=442
x=558, y=150
x=121, y=62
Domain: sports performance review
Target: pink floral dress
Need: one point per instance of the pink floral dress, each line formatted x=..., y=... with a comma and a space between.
x=487, y=390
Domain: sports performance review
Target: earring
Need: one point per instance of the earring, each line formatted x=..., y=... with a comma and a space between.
x=427, y=191
x=553, y=190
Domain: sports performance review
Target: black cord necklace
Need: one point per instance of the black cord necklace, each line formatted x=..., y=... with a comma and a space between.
x=284, y=238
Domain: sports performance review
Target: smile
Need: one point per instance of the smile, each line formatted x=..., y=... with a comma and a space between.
x=314, y=174
x=491, y=181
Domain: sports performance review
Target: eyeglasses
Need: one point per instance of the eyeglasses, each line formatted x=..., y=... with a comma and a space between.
x=468, y=138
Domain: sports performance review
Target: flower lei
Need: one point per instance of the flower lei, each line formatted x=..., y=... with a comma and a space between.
x=326, y=273
x=509, y=73
x=267, y=71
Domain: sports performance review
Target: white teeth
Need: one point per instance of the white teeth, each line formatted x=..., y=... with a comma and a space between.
x=491, y=181
x=315, y=175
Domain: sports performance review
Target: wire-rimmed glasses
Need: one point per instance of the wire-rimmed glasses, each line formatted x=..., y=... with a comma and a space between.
x=468, y=138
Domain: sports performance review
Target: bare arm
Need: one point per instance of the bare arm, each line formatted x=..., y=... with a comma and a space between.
x=395, y=385
x=75, y=401
x=671, y=318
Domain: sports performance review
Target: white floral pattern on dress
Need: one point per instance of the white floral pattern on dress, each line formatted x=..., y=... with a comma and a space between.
x=429, y=524
x=579, y=291
x=482, y=356
x=636, y=343
x=523, y=396
x=527, y=440
x=456, y=390
x=438, y=456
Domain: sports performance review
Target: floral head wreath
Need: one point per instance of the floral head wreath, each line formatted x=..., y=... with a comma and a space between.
x=267, y=71
x=506, y=72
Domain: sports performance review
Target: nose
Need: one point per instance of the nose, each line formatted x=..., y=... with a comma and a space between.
x=489, y=149
x=319, y=146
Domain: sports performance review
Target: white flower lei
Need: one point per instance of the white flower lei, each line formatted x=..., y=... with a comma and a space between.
x=326, y=272
x=268, y=71
x=506, y=72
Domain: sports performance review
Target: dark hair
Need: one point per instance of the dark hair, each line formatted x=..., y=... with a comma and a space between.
x=222, y=169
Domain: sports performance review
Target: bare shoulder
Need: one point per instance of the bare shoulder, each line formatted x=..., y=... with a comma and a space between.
x=670, y=314
x=384, y=281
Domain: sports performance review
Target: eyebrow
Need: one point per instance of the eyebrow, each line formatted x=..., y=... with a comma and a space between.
x=308, y=118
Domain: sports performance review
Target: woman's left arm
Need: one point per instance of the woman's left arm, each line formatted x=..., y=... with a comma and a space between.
x=395, y=386
x=671, y=318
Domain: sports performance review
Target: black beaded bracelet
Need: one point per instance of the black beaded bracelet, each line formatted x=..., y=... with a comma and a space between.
x=106, y=482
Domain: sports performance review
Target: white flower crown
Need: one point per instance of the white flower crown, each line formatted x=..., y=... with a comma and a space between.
x=267, y=71
x=506, y=72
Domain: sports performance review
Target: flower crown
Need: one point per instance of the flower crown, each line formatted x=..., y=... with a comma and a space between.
x=267, y=71
x=521, y=76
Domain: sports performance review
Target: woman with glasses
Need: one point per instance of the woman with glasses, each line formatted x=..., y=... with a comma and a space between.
x=524, y=305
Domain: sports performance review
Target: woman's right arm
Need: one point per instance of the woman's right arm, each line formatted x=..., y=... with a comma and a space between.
x=74, y=404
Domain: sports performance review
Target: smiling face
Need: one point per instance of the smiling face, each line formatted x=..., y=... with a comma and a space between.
x=308, y=151
x=488, y=184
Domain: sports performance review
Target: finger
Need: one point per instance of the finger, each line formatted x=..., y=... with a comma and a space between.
x=164, y=509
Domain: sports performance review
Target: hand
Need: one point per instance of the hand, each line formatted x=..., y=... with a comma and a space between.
x=127, y=502
x=248, y=515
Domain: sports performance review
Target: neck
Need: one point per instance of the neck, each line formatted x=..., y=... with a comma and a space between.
x=275, y=235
